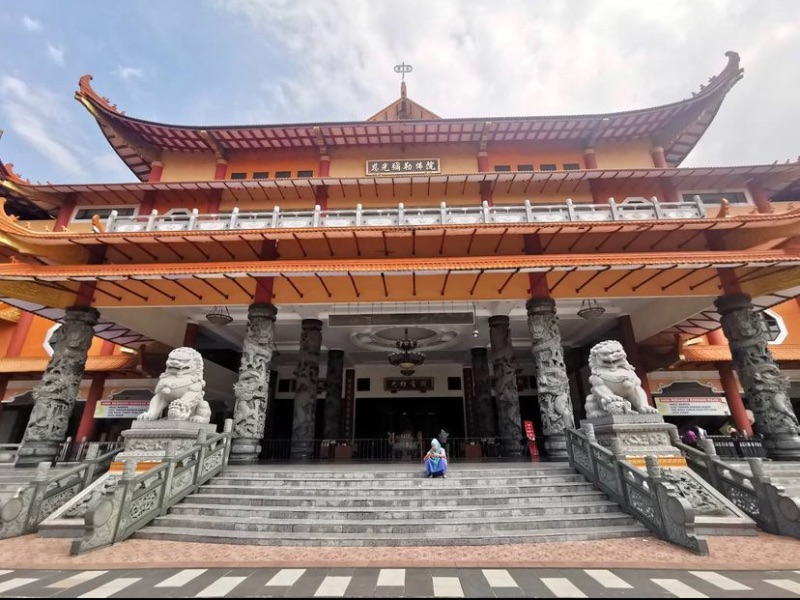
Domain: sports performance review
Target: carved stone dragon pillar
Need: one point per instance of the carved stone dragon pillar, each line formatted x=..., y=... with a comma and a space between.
x=484, y=413
x=305, y=398
x=252, y=389
x=333, y=397
x=505, y=387
x=56, y=394
x=765, y=387
x=552, y=381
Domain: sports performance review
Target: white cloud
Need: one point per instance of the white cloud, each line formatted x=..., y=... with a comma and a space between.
x=129, y=73
x=516, y=57
x=56, y=53
x=31, y=24
x=35, y=114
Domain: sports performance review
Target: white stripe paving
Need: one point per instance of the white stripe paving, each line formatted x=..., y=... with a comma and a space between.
x=12, y=584
x=4, y=572
x=608, y=580
x=110, y=588
x=562, y=587
x=392, y=577
x=220, y=587
x=286, y=577
x=447, y=587
x=785, y=584
x=76, y=579
x=678, y=588
x=181, y=578
x=720, y=581
x=333, y=586
x=499, y=578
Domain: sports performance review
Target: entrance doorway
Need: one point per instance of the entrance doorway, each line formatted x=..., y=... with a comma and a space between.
x=376, y=417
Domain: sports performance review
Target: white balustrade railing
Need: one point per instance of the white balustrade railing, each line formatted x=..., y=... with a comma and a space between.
x=633, y=209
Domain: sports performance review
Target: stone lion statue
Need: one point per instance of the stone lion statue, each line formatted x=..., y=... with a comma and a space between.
x=615, y=387
x=180, y=390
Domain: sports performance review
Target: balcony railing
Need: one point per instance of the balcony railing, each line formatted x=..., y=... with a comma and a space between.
x=633, y=209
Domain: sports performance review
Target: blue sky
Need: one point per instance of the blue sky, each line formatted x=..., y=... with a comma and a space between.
x=272, y=61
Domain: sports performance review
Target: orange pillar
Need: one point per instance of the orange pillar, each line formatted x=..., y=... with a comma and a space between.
x=760, y=198
x=65, y=213
x=730, y=386
x=659, y=160
x=221, y=170
x=20, y=334
x=324, y=165
x=485, y=186
x=86, y=426
x=590, y=158
x=634, y=355
x=264, y=285
x=214, y=201
x=156, y=169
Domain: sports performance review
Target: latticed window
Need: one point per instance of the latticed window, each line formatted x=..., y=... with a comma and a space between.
x=772, y=328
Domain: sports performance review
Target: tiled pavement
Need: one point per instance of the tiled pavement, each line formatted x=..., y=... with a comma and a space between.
x=416, y=582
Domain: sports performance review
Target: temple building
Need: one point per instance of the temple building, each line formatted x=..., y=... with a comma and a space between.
x=350, y=283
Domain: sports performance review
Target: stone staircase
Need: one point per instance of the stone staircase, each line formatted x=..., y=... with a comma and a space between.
x=392, y=505
x=783, y=473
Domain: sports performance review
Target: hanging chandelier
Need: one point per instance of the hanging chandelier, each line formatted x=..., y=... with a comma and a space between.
x=219, y=315
x=406, y=358
x=590, y=309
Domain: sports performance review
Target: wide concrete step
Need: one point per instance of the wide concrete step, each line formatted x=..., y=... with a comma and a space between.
x=471, y=538
x=204, y=496
x=397, y=482
x=424, y=485
x=429, y=513
x=456, y=470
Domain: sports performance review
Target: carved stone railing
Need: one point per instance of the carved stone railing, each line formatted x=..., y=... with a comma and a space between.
x=646, y=496
x=402, y=216
x=129, y=503
x=767, y=503
x=8, y=453
x=36, y=500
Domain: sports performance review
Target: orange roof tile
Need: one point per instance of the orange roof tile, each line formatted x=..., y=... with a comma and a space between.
x=705, y=353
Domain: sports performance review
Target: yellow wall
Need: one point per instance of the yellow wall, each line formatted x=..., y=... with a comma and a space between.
x=522, y=155
x=789, y=311
x=180, y=166
x=351, y=162
x=624, y=156
x=273, y=161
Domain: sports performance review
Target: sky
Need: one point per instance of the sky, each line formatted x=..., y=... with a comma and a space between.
x=214, y=62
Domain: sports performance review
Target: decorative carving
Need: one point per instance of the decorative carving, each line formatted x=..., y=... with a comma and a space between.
x=644, y=505
x=333, y=396
x=702, y=501
x=643, y=439
x=57, y=500
x=252, y=388
x=212, y=461
x=56, y=394
x=142, y=506
x=485, y=418
x=506, y=395
x=305, y=398
x=180, y=390
x=615, y=387
x=744, y=499
x=551, y=373
x=80, y=508
x=765, y=387
x=181, y=482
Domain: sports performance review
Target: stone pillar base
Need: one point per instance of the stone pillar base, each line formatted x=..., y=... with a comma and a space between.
x=30, y=454
x=245, y=450
x=782, y=446
x=302, y=450
x=556, y=446
x=146, y=441
x=638, y=435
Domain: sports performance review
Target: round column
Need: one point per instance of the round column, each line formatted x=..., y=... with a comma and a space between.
x=482, y=383
x=305, y=398
x=252, y=388
x=552, y=381
x=333, y=394
x=505, y=387
x=765, y=387
x=57, y=392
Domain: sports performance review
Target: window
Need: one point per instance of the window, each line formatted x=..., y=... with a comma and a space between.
x=362, y=384
x=547, y=167
x=305, y=173
x=524, y=167
x=716, y=197
x=86, y=214
x=502, y=168
x=286, y=386
x=774, y=327
x=261, y=175
x=238, y=175
x=571, y=166
x=283, y=175
x=454, y=383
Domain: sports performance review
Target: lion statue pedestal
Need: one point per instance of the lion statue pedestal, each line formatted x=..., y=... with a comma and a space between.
x=617, y=406
x=180, y=392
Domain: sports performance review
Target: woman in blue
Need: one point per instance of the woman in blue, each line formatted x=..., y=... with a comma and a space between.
x=436, y=460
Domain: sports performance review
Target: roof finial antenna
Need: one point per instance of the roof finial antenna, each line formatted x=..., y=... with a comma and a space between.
x=403, y=68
